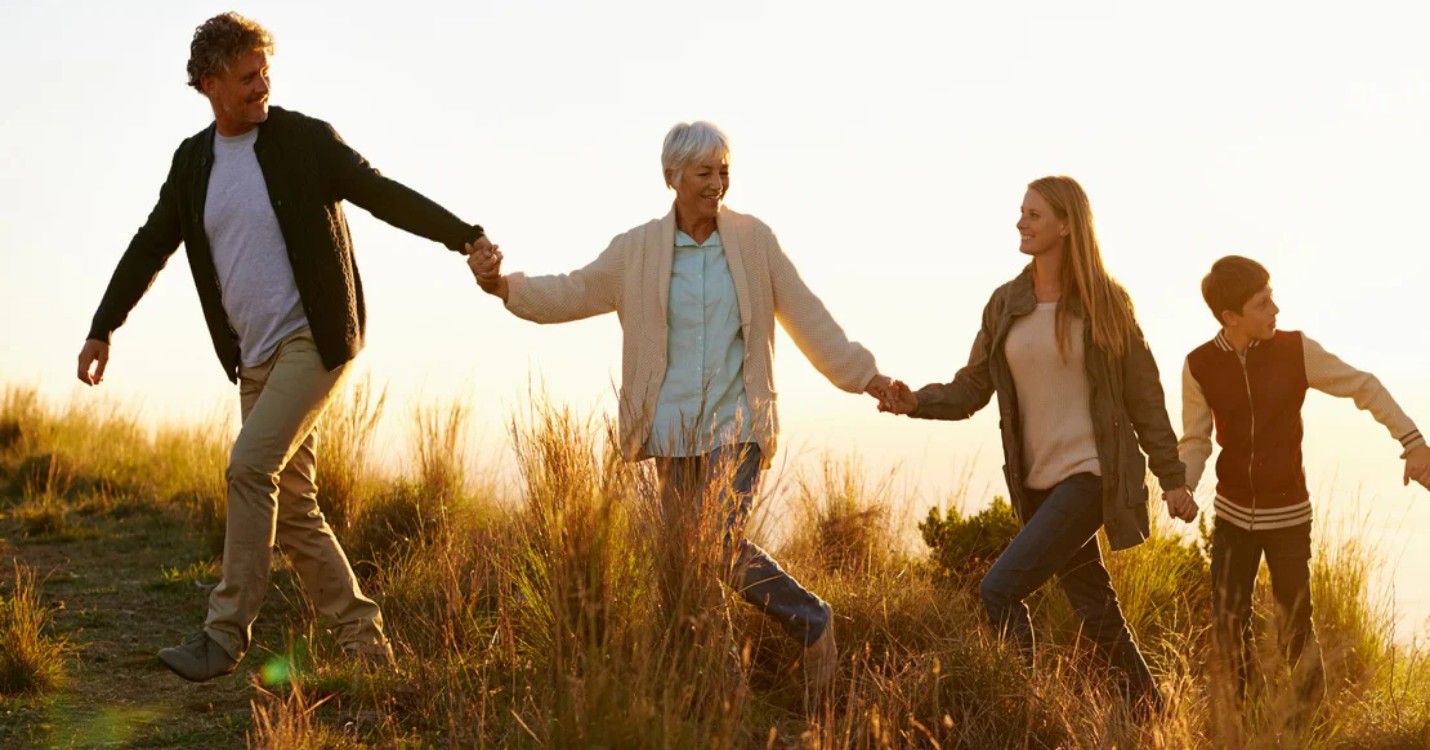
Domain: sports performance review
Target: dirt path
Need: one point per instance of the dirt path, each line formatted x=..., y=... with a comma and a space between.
x=106, y=576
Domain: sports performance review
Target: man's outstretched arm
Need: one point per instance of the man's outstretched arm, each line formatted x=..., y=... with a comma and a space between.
x=355, y=180
x=147, y=253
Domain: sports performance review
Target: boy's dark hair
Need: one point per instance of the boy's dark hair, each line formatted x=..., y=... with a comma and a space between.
x=1232, y=281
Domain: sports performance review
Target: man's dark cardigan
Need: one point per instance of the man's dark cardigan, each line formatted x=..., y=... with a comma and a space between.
x=309, y=172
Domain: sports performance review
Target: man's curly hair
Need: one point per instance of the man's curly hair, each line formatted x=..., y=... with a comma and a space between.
x=221, y=40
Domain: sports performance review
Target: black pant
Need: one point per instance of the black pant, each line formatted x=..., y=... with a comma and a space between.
x=1236, y=557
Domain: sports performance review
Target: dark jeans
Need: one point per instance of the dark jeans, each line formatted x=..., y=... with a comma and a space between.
x=687, y=483
x=1059, y=538
x=1236, y=557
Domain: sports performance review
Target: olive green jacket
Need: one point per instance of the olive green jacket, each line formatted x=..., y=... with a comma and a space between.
x=1129, y=415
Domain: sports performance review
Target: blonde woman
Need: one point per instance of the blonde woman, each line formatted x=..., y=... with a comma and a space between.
x=698, y=293
x=1080, y=403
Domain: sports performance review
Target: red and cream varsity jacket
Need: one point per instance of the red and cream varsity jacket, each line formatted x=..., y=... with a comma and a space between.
x=1254, y=400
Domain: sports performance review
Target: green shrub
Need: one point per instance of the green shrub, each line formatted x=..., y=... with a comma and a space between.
x=965, y=546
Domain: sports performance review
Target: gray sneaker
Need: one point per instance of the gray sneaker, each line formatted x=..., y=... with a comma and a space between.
x=199, y=659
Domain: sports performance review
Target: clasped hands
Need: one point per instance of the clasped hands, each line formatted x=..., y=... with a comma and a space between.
x=484, y=259
x=894, y=396
x=1180, y=504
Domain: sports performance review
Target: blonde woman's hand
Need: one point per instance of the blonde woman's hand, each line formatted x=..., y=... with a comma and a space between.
x=1180, y=504
x=899, y=399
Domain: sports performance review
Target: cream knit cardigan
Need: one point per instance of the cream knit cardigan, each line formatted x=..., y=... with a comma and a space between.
x=632, y=277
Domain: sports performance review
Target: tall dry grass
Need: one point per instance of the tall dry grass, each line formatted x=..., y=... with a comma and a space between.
x=32, y=657
x=345, y=441
x=581, y=610
x=842, y=521
x=287, y=720
x=97, y=456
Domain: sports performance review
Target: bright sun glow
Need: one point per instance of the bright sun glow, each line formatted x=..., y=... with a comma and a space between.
x=888, y=146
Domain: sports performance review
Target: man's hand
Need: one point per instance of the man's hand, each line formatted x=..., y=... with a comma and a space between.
x=1417, y=466
x=482, y=245
x=1180, y=504
x=898, y=399
x=94, y=355
x=484, y=259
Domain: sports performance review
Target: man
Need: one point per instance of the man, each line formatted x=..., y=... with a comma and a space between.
x=256, y=200
x=1250, y=381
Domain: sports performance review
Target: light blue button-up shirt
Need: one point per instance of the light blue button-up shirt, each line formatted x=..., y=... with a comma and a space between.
x=702, y=403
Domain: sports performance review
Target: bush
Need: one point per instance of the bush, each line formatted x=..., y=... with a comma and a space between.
x=965, y=547
x=10, y=432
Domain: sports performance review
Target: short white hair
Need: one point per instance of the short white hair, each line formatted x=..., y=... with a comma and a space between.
x=689, y=142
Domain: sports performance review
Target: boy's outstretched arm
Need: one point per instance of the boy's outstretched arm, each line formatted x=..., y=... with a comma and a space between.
x=1327, y=373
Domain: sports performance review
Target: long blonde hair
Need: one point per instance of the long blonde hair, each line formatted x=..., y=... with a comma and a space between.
x=1106, y=307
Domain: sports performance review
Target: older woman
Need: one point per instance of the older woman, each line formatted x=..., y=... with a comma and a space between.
x=698, y=292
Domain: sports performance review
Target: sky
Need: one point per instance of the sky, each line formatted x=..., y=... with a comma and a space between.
x=888, y=145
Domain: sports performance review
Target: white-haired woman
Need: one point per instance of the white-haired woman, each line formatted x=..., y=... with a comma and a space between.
x=698, y=292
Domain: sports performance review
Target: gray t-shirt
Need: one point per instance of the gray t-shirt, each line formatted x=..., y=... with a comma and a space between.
x=254, y=274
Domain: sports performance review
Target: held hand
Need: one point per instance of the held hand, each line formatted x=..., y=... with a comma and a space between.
x=1180, y=504
x=485, y=264
x=1417, y=466
x=482, y=245
x=879, y=387
x=899, y=400
x=94, y=356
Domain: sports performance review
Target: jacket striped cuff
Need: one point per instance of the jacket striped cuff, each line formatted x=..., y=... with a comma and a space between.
x=1411, y=440
x=1260, y=519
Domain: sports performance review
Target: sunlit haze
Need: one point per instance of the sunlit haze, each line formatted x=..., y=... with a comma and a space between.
x=887, y=144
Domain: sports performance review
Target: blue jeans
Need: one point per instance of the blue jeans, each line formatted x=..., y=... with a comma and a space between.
x=687, y=482
x=1059, y=538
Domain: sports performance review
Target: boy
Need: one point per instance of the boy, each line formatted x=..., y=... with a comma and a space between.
x=1250, y=381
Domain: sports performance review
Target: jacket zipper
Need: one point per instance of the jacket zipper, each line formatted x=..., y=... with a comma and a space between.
x=1251, y=460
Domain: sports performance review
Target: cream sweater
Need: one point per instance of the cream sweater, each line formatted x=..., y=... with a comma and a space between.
x=1054, y=399
x=632, y=278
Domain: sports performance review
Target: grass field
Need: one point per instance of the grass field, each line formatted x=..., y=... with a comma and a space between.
x=563, y=614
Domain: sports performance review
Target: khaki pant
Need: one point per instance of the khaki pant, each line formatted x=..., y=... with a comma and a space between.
x=272, y=496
